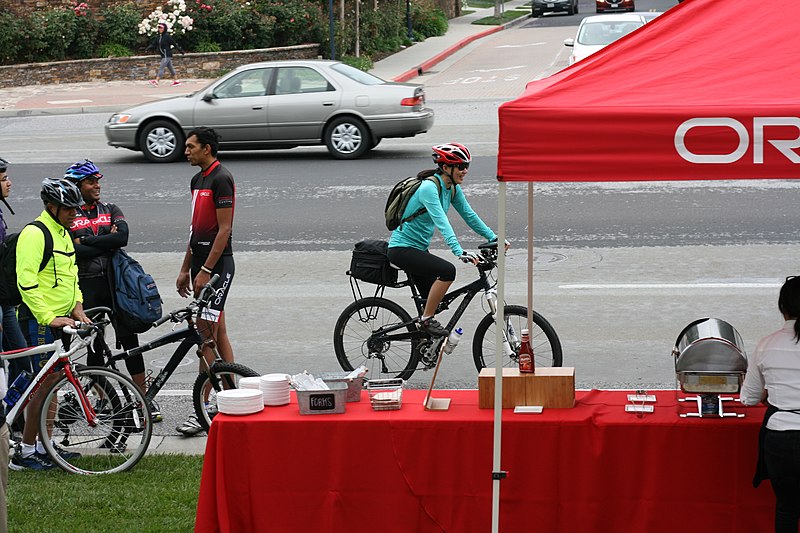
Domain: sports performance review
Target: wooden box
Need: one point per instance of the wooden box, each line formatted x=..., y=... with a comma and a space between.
x=550, y=387
x=513, y=388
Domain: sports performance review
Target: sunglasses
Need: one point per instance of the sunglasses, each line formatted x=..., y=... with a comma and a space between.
x=462, y=166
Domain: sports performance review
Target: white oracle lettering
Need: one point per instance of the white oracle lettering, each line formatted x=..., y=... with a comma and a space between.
x=785, y=147
x=735, y=125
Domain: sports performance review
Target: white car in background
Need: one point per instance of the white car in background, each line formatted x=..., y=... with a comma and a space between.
x=598, y=31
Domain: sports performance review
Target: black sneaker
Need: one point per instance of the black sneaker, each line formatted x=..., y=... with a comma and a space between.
x=65, y=454
x=433, y=327
x=32, y=462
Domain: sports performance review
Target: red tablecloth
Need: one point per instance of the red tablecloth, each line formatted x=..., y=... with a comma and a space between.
x=594, y=468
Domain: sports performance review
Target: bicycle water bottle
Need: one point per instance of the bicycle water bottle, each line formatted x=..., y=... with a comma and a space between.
x=452, y=341
x=525, y=354
x=17, y=388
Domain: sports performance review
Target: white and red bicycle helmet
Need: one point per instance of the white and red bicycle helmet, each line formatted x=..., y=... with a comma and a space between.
x=451, y=154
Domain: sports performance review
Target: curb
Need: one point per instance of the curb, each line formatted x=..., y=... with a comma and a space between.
x=441, y=56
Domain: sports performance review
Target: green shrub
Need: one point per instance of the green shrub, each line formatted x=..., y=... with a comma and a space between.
x=208, y=46
x=10, y=43
x=362, y=63
x=114, y=50
x=120, y=26
x=428, y=19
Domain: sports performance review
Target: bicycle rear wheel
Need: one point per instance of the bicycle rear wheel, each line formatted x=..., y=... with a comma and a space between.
x=544, y=341
x=115, y=442
x=204, y=393
x=355, y=342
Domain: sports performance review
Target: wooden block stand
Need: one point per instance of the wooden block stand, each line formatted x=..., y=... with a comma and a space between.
x=550, y=387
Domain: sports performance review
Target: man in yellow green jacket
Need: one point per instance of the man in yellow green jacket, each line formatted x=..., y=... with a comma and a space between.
x=50, y=296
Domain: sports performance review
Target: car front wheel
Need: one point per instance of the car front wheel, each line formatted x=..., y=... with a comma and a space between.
x=162, y=141
x=347, y=138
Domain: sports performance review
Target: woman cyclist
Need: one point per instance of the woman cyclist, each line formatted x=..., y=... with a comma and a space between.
x=408, y=246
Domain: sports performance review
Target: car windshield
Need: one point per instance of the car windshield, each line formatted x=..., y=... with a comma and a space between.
x=603, y=33
x=357, y=75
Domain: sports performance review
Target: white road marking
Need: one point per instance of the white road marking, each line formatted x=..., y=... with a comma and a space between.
x=482, y=70
x=715, y=285
x=57, y=102
x=519, y=45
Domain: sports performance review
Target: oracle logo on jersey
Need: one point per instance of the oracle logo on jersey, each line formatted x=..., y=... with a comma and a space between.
x=81, y=222
x=203, y=192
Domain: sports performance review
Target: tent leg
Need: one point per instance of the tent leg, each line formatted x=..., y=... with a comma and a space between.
x=497, y=474
x=530, y=256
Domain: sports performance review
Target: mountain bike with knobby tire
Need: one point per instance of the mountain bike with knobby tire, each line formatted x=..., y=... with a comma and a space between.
x=380, y=334
x=214, y=377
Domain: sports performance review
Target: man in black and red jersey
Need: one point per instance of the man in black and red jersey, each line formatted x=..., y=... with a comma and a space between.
x=209, y=251
x=98, y=231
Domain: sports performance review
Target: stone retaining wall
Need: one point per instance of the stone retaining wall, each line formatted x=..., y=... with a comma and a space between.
x=190, y=65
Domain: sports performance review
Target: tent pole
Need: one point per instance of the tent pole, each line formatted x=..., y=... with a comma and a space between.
x=530, y=257
x=497, y=474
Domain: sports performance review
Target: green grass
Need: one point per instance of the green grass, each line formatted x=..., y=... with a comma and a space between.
x=158, y=494
x=507, y=17
x=480, y=4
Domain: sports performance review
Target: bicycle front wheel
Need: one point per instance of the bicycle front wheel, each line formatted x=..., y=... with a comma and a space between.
x=544, y=341
x=357, y=339
x=114, y=442
x=204, y=393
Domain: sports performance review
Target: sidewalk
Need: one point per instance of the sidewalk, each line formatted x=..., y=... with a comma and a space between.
x=113, y=96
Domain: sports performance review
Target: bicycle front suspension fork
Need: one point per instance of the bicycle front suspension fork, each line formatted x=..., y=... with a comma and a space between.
x=509, y=335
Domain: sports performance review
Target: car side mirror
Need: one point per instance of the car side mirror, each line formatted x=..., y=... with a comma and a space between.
x=569, y=42
x=209, y=96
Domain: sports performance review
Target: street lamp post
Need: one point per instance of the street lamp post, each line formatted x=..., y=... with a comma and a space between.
x=408, y=20
x=331, y=28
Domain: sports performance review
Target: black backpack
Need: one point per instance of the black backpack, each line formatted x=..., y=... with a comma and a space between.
x=398, y=200
x=9, y=292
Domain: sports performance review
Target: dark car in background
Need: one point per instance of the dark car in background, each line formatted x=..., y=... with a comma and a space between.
x=540, y=7
x=604, y=6
x=279, y=104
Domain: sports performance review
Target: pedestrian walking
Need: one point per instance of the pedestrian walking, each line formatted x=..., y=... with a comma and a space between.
x=164, y=43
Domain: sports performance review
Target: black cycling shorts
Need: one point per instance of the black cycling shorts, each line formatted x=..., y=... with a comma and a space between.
x=422, y=266
x=225, y=267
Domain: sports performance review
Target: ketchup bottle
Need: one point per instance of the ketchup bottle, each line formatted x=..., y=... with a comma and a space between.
x=526, y=354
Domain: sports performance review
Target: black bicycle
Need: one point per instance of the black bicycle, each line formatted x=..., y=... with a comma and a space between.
x=378, y=333
x=219, y=375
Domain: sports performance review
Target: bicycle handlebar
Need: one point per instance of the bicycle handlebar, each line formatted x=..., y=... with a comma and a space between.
x=199, y=302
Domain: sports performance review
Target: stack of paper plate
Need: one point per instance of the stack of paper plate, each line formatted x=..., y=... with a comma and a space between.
x=250, y=383
x=276, y=389
x=240, y=401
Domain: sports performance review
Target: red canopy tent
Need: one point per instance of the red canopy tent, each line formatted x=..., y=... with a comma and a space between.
x=709, y=90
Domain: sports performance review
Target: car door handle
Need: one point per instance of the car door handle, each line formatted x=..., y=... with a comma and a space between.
x=257, y=107
x=327, y=104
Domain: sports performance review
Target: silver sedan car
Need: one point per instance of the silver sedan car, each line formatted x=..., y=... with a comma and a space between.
x=279, y=104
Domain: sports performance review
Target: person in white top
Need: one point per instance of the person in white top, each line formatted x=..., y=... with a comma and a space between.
x=773, y=377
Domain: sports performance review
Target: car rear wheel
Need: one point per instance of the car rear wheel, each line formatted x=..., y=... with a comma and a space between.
x=162, y=141
x=347, y=138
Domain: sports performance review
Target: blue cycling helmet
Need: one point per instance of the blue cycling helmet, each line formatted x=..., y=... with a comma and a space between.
x=61, y=192
x=82, y=170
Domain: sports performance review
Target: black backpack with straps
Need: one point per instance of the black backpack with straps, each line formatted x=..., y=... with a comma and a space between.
x=9, y=292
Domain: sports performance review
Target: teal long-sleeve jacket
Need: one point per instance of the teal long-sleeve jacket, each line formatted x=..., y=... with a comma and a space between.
x=417, y=233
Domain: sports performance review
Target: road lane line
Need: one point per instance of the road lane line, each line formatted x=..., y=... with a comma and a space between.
x=720, y=285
